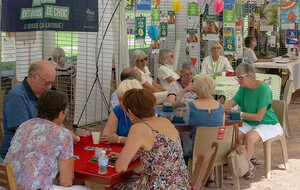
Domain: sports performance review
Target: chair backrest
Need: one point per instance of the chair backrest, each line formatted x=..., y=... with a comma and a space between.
x=205, y=136
x=279, y=107
x=7, y=179
x=287, y=93
x=203, y=167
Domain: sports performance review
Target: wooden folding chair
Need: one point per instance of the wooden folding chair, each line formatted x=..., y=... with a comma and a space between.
x=7, y=179
x=203, y=167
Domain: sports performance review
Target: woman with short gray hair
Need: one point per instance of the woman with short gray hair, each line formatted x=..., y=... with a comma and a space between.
x=259, y=120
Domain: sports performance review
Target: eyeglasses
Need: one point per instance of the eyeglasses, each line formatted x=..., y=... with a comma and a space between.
x=141, y=60
x=46, y=83
x=187, y=74
x=216, y=48
x=240, y=77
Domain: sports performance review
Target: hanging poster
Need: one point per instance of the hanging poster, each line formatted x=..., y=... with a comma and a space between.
x=292, y=36
x=171, y=17
x=268, y=17
x=193, y=10
x=130, y=26
x=192, y=35
x=289, y=15
x=129, y=5
x=143, y=5
x=210, y=28
x=228, y=4
x=155, y=46
x=229, y=41
x=239, y=15
x=63, y=15
x=239, y=44
x=228, y=17
x=163, y=30
x=155, y=15
x=140, y=29
x=8, y=49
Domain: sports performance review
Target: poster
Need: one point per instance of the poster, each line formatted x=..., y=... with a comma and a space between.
x=143, y=5
x=292, y=36
x=210, y=27
x=63, y=15
x=171, y=17
x=228, y=4
x=155, y=46
x=192, y=36
x=140, y=29
x=130, y=23
x=268, y=17
x=289, y=15
x=155, y=15
x=163, y=30
x=129, y=5
x=229, y=40
x=239, y=44
x=239, y=15
x=8, y=49
x=193, y=10
x=229, y=17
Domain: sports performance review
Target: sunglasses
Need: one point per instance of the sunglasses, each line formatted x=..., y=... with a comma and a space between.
x=141, y=60
x=240, y=77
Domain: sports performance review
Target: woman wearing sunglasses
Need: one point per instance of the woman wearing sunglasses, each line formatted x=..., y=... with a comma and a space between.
x=139, y=58
x=166, y=73
x=259, y=120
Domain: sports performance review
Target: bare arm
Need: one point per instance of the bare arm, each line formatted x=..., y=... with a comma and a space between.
x=231, y=103
x=158, y=86
x=66, y=172
x=264, y=60
x=150, y=87
x=255, y=116
x=170, y=79
x=109, y=134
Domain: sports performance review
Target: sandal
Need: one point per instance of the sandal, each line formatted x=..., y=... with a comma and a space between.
x=227, y=177
x=254, y=161
x=250, y=174
x=210, y=183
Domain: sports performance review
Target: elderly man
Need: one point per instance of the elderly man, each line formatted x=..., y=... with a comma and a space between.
x=182, y=89
x=20, y=102
x=127, y=73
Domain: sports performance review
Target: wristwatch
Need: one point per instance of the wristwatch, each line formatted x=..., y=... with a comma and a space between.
x=119, y=139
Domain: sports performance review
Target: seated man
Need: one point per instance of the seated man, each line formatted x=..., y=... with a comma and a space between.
x=20, y=102
x=182, y=89
x=127, y=73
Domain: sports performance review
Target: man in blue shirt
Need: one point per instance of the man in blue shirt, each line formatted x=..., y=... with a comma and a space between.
x=20, y=102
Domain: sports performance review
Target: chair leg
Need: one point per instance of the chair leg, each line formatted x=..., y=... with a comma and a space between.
x=284, y=151
x=236, y=182
x=287, y=125
x=219, y=176
x=267, y=158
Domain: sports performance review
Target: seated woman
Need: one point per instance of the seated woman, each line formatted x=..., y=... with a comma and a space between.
x=166, y=73
x=117, y=127
x=249, y=55
x=259, y=120
x=157, y=143
x=41, y=148
x=139, y=58
x=182, y=89
x=216, y=63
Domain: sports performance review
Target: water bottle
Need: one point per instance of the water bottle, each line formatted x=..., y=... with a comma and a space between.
x=102, y=162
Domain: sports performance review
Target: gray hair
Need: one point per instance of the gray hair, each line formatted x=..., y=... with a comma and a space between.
x=127, y=85
x=163, y=55
x=187, y=65
x=246, y=69
x=204, y=86
x=136, y=55
x=58, y=54
x=129, y=73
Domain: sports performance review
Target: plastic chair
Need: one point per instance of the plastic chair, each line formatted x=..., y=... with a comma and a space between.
x=279, y=108
x=203, y=167
x=7, y=179
x=287, y=97
x=205, y=136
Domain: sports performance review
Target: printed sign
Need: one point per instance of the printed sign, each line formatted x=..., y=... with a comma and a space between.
x=292, y=36
x=163, y=30
x=140, y=28
x=143, y=5
x=63, y=15
x=155, y=15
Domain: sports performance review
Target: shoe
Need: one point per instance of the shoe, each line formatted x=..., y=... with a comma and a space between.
x=250, y=174
x=210, y=183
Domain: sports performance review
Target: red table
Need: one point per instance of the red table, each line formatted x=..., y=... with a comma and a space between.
x=86, y=170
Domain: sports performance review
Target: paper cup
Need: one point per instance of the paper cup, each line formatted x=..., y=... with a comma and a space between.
x=96, y=137
x=223, y=74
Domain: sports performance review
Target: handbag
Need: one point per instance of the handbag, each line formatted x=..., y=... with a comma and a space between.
x=238, y=162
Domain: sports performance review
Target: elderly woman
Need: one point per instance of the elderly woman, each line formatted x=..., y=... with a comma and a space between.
x=182, y=89
x=166, y=73
x=118, y=124
x=41, y=148
x=216, y=63
x=156, y=141
x=139, y=58
x=249, y=55
x=259, y=120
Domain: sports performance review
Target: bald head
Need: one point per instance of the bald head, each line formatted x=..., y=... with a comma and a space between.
x=41, y=66
x=130, y=73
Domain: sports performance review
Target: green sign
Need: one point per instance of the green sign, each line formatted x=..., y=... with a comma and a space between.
x=163, y=29
x=193, y=9
x=140, y=28
x=57, y=12
x=155, y=15
x=210, y=18
x=31, y=13
x=228, y=16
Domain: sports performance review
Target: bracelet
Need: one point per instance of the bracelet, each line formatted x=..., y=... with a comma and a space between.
x=241, y=115
x=119, y=139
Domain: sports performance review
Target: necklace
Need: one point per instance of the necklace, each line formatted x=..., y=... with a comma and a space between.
x=171, y=69
x=214, y=69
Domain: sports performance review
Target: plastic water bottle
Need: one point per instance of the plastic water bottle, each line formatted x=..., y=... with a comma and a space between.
x=102, y=162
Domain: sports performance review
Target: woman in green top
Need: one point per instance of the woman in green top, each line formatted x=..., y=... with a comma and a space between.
x=259, y=120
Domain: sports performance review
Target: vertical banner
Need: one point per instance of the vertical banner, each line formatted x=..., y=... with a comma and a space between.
x=143, y=5
x=163, y=31
x=8, y=49
x=229, y=17
x=129, y=5
x=192, y=36
x=140, y=29
x=290, y=15
x=210, y=28
x=292, y=36
x=193, y=10
x=229, y=41
x=155, y=15
x=228, y=4
x=171, y=17
x=239, y=44
x=239, y=15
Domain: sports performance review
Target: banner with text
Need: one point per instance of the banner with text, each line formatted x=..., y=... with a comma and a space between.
x=62, y=15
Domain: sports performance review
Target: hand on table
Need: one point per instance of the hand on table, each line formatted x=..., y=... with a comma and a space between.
x=113, y=155
x=74, y=137
x=110, y=138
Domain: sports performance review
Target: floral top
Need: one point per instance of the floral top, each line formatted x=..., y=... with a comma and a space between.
x=164, y=167
x=34, y=153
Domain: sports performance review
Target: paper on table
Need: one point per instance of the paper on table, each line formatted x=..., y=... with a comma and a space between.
x=281, y=60
x=228, y=83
